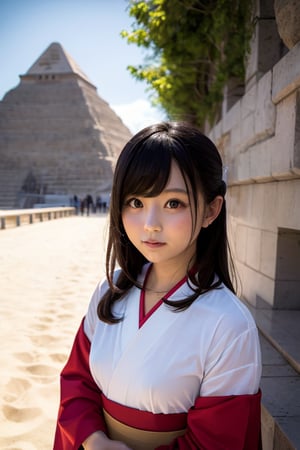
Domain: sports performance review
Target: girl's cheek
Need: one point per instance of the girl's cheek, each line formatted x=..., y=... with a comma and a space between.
x=183, y=219
x=131, y=220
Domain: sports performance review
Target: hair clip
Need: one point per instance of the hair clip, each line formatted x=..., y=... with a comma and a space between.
x=224, y=174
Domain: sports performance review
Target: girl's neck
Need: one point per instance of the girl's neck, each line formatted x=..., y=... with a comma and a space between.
x=158, y=284
x=160, y=280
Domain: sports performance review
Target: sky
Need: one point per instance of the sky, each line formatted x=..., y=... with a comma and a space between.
x=89, y=31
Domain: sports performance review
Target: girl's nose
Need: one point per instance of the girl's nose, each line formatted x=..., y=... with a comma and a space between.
x=152, y=221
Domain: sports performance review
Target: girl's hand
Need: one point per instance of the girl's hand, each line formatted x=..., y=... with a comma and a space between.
x=99, y=441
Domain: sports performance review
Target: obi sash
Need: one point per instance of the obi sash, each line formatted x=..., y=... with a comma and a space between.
x=141, y=430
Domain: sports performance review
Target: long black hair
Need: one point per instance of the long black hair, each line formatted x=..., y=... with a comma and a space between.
x=143, y=169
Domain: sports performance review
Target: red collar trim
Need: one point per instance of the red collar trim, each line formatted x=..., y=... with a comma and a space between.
x=144, y=317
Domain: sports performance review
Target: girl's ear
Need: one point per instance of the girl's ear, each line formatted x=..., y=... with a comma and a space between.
x=212, y=211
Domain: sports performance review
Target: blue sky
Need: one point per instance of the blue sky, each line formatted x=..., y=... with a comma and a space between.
x=89, y=30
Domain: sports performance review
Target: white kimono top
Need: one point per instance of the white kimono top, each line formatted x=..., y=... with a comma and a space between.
x=163, y=361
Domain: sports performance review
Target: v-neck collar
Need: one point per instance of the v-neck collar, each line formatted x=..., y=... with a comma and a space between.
x=144, y=317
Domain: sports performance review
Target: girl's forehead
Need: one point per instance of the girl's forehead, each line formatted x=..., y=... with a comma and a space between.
x=175, y=179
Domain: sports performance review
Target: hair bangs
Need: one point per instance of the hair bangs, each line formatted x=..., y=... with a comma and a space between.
x=148, y=173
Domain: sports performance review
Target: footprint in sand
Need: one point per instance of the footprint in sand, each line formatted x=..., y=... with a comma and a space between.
x=40, y=327
x=59, y=357
x=15, y=388
x=17, y=421
x=24, y=357
x=46, y=319
x=20, y=414
x=41, y=373
x=65, y=316
x=44, y=339
x=67, y=292
x=50, y=312
x=41, y=370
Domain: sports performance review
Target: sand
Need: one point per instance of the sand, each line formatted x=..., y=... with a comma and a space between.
x=48, y=273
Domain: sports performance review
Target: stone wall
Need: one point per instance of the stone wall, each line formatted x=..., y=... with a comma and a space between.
x=259, y=138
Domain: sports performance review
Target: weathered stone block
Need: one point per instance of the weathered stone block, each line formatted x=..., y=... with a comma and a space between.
x=260, y=156
x=253, y=248
x=240, y=203
x=255, y=218
x=286, y=75
x=268, y=253
x=296, y=156
x=268, y=426
x=287, y=14
x=288, y=204
x=231, y=117
x=265, y=108
x=269, y=216
x=247, y=131
x=240, y=242
x=283, y=151
x=248, y=102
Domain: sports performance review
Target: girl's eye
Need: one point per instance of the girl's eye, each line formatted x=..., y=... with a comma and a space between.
x=173, y=204
x=135, y=203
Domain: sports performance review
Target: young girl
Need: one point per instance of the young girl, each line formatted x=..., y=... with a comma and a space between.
x=167, y=357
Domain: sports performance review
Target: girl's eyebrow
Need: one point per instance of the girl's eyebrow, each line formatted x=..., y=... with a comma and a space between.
x=175, y=190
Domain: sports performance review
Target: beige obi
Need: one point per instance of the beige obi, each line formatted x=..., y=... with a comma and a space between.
x=137, y=438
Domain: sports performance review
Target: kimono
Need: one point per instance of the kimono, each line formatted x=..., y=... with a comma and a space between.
x=165, y=380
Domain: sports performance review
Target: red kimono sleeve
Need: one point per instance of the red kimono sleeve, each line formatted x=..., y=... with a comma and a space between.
x=222, y=423
x=80, y=405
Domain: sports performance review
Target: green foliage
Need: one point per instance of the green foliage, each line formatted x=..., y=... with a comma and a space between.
x=195, y=47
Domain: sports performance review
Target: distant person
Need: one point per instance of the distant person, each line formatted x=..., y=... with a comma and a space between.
x=89, y=204
x=167, y=357
x=76, y=203
x=98, y=204
x=82, y=205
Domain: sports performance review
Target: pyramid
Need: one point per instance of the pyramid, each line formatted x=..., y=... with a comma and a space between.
x=57, y=135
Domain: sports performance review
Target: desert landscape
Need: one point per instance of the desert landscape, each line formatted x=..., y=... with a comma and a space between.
x=48, y=272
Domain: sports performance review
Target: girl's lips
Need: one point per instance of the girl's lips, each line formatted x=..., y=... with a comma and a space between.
x=153, y=244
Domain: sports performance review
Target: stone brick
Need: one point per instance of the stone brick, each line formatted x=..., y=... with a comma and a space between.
x=283, y=151
x=288, y=204
x=268, y=426
x=260, y=156
x=264, y=288
x=253, y=248
x=242, y=167
x=230, y=119
x=286, y=75
x=268, y=253
x=255, y=218
x=265, y=109
x=247, y=130
x=269, y=192
x=241, y=242
x=296, y=156
x=240, y=203
x=248, y=102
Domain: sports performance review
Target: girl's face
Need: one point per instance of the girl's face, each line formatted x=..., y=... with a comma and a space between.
x=161, y=227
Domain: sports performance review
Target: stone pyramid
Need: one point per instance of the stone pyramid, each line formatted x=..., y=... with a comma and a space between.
x=57, y=135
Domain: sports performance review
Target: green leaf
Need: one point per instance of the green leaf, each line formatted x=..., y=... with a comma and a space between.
x=194, y=48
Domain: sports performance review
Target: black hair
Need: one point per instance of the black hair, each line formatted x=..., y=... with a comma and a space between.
x=143, y=169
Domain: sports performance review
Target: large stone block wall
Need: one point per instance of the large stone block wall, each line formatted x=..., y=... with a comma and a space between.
x=259, y=138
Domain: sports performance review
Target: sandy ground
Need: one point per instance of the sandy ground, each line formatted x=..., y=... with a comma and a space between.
x=48, y=273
